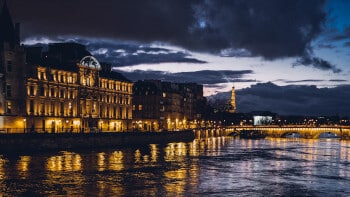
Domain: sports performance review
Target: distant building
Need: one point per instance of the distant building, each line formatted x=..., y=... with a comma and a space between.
x=263, y=118
x=230, y=105
x=62, y=90
x=166, y=106
x=233, y=101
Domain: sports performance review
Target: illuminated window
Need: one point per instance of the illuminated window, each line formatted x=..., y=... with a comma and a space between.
x=8, y=107
x=70, y=108
x=70, y=79
x=93, y=107
x=140, y=107
x=88, y=81
x=164, y=94
x=133, y=107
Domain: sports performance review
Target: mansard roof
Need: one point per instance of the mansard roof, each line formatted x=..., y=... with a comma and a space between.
x=66, y=56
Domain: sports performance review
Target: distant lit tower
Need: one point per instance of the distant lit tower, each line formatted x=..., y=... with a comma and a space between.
x=233, y=101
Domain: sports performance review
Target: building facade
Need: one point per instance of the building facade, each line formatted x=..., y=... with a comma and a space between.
x=166, y=106
x=62, y=90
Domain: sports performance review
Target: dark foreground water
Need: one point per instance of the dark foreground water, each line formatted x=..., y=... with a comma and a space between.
x=212, y=167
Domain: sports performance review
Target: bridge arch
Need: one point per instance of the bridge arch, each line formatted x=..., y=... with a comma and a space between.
x=329, y=134
x=294, y=134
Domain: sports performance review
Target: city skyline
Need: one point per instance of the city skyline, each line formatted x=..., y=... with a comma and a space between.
x=287, y=43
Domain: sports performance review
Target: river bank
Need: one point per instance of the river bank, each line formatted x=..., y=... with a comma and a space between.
x=15, y=143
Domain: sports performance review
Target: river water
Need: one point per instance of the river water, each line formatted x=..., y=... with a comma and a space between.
x=222, y=166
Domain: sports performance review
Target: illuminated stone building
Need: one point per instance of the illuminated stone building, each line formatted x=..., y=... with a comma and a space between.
x=166, y=106
x=62, y=90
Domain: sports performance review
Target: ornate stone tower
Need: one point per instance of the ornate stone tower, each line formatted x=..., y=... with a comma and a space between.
x=233, y=101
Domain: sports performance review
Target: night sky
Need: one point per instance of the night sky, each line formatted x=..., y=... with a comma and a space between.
x=286, y=56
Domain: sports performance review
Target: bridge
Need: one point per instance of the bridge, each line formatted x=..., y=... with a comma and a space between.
x=304, y=131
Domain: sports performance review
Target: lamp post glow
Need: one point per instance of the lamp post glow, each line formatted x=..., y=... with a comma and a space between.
x=24, y=124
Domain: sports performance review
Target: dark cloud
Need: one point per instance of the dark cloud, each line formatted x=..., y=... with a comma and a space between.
x=271, y=29
x=339, y=36
x=216, y=86
x=201, y=77
x=300, y=81
x=325, y=46
x=316, y=62
x=338, y=80
x=122, y=53
x=347, y=44
x=293, y=100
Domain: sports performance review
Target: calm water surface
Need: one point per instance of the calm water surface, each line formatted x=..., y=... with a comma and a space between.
x=222, y=166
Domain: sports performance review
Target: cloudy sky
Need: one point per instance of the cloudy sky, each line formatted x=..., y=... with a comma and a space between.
x=218, y=43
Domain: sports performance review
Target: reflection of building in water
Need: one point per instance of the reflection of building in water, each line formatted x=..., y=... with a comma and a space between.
x=23, y=166
x=2, y=171
x=115, y=161
x=66, y=162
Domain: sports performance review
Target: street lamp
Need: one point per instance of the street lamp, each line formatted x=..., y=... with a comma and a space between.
x=24, y=124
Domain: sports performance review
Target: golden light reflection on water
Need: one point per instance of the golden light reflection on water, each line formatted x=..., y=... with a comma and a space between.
x=176, y=181
x=2, y=174
x=180, y=179
x=65, y=169
x=66, y=162
x=2, y=163
x=154, y=152
x=116, y=161
x=177, y=169
x=23, y=165
x=101, y=164
x=345, y=156
x=175, y=151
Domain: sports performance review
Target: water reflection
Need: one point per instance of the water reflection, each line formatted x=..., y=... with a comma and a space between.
x=22, y=166
x=211, y=166
x=66, y=162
